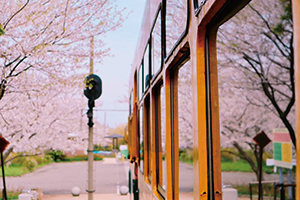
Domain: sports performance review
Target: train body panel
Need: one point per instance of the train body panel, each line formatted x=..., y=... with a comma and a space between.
x=154, y=126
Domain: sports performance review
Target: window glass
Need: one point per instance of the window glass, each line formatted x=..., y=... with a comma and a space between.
x=185, y=135
x=140, y=86
x=156, y=46
x=149, y=138
x=131, y=103
x=176, y=21
x=248, y=41
x=146, y=68
x=161, y=139
x=141, y=139
x=198, y=4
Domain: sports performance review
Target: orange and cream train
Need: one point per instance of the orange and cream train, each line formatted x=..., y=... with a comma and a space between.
x=179, y=36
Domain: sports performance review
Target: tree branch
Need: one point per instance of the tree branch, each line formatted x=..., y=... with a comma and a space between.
x=4, y=27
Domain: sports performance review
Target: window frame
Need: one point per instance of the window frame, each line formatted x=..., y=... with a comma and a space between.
x=198, y=6
x=141, y=135
x=141, y=82
x=158, y=137
x=174, y=108
x=167, y=55
x=147, y=139
x=158, y=13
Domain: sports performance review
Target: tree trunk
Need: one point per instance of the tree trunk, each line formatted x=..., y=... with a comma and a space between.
x=246, y=157
x=7, y=152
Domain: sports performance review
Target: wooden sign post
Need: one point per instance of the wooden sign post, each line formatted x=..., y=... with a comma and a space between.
x=261, y=140
x=3, y=144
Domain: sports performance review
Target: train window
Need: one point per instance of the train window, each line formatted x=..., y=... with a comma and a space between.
x=183, y=140
x=131, y=101
x=148, y=139
x=141, y=82
x=160, y=117
x=156, y=46
x=198, y=5
x=257, y=67
x=141, y=139
x=176, y=21
x=146, y=68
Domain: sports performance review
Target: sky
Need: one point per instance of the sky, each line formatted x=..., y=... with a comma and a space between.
x=115, y=70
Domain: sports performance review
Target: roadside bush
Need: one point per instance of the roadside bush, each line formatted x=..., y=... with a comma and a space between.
x=21, y=160
x=57, y=155
x=30, y=164
x=226, y=156
x=81, y=158
x=186, y=155
x=268, y=189
x=12, y=194
x=41, y=160
x=23, y=164
x=98, y=157
x=101, y=148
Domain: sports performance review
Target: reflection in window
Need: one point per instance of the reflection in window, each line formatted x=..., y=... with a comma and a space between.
x=140, y=86
x=185, y=135
x=146, y=68
x=148, y=138
x=161, y=139
x=131, y=103
x=176, y=21
x=141, y=140
x=156, y=46
x=196, y=3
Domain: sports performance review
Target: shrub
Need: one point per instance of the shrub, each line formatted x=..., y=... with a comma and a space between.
x=186, y=155
x=57, y=155
x=30, y=164
x=82, y=158
x=98, y=157
x=12, y=194
x=226, y=156
x=101, y=148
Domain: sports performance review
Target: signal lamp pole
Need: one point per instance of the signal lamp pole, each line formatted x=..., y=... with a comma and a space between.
x=93, y=90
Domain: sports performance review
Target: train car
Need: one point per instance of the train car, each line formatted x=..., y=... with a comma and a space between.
x=168, y=119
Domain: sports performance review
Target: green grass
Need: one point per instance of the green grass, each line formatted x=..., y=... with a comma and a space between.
x=22, y=165
x=13, y=194
x=14, y=171
x=242, y=166
x=245, y=190
x=238, y=166
x=18, y=170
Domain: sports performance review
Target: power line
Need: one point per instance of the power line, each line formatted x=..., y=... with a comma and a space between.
x=111, y=110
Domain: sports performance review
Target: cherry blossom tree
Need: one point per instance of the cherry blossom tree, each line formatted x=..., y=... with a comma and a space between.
x=46, y=50
x=240, y=119
x=259, y=42
x=256, y=75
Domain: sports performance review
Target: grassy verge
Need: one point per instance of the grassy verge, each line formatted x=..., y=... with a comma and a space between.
x=243, y=166
x=15, y=171
x=23, y=165
x=79, y=158
x=238, y=166
x=11, y=194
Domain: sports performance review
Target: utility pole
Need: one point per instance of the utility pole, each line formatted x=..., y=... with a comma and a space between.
x=91, y=133
x=93, y=90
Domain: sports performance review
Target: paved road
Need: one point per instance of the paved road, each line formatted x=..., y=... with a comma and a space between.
x=60, y=178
